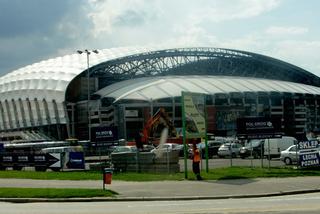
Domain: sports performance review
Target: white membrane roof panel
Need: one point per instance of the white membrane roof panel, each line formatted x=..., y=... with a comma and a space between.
x=153, y=88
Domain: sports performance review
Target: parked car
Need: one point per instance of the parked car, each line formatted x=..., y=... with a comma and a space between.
x=148, y=148
x=274, y=146
x=124, y=149
x=213, y=147
x=290, y=155
x=228, y=149
x=253, y=148
x=169, y=147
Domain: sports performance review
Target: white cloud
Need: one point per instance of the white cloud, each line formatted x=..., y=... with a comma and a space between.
x=304, y=54
x=218, y=11
x=286, y=31
x=107, y=15
x=178, y=23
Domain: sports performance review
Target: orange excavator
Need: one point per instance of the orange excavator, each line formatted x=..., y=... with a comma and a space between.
x=154, y=126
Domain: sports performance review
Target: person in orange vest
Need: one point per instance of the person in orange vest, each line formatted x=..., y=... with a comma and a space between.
x=196, y=161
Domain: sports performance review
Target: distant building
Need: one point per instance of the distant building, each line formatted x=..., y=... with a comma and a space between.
x=127, y=85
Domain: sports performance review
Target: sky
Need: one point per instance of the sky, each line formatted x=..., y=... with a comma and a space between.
x=35, y=30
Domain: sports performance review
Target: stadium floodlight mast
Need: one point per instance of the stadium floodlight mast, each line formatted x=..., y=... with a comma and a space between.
x=88, y=52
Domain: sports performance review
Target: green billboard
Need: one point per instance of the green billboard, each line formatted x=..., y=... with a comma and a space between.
x=194, y=115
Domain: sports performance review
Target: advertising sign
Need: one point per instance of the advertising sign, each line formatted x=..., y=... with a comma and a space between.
x=194, y=115
x=54, y=160
x=51, y=160
x=259, y=127
x=309, y=159
x=76, y=160
x=132, y=113
x=104, y=133
x=308, y=153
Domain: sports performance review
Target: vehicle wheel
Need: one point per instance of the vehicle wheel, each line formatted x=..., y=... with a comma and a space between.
x=18, y=168
x=234, y=155
x=3, y=168
x=287, y=161
x=242, y=157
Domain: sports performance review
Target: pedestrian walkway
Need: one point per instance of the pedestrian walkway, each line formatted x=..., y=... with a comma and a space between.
x=173, y=190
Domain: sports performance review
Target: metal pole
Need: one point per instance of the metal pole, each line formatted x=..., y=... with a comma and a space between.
x=297, y=156
x=269, y=154
x=230, y=150
x=185, y=149
x=88, y=105
x=261, y=152
x=168, y=160
x=87, y=52
x=251, y=154
x=72, y=116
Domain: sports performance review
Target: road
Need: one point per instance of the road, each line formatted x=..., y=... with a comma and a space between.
x=307, y=204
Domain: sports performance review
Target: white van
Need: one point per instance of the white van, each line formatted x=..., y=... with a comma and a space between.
x=274, y=146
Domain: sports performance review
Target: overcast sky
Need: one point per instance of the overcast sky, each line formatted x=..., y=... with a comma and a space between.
x=35, y=30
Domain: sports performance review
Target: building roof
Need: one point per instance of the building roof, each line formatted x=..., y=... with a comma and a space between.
x=49, y=79
x=154, y=88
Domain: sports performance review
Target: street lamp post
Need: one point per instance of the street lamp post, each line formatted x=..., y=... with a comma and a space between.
x=87, y=52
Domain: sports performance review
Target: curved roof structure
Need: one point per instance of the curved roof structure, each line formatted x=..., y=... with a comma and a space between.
x=49, y=79
x=35, y=95
x=153, y=88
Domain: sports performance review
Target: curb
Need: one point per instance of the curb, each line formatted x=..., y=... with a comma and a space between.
x=123, y=199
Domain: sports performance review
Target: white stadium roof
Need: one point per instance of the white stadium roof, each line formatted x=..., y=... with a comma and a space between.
x=153, y=88
x=49, y=79
x=34, y=95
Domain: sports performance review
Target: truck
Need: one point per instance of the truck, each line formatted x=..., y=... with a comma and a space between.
x=274, y=146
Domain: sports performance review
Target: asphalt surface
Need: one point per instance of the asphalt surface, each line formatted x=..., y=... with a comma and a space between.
x=177, y=190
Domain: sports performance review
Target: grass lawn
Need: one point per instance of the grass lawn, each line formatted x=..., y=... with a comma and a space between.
x=53, y=193
x=214, y=174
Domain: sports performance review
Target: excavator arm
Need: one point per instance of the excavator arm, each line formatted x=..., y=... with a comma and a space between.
x=159, y=118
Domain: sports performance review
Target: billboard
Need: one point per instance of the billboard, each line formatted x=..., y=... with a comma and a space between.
x=194, y=115
x=104, y=133
x=259, y=127
x=308, y=153
x=52, y=160
x=76, y=160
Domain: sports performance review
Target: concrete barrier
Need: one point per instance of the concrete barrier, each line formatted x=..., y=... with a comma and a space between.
x=146, y=162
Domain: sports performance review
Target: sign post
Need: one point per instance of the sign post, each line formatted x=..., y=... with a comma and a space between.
x=193, y=121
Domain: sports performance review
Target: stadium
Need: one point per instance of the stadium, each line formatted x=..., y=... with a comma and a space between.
x=109, y=94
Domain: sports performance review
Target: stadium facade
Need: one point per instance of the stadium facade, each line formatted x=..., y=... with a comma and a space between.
x=128, y=85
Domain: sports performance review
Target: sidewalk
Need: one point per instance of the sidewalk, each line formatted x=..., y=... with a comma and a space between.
x=181, y=190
